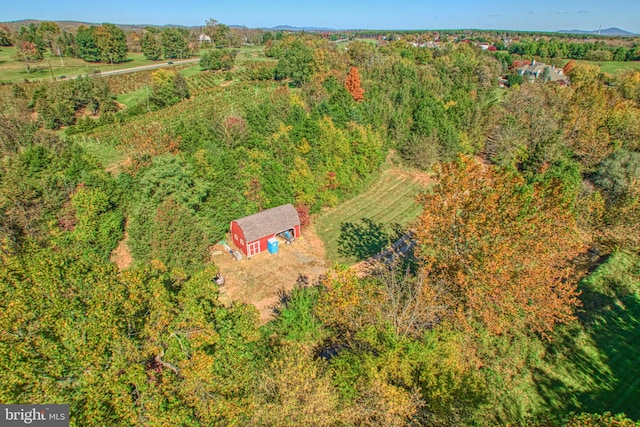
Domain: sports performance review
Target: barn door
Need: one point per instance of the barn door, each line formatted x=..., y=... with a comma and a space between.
x=253, y=248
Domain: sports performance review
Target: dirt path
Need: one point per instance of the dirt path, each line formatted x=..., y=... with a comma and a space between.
x=257, y=280
x=424, y=178
x=121, y=255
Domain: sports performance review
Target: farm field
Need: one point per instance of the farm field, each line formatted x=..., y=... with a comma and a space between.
x=388, y=201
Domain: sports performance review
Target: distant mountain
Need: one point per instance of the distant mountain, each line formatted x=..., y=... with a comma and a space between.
x=73, y=26
x=609, y=32
x=64, y=25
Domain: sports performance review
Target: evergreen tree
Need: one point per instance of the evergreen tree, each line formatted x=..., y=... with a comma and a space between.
x=218, y=59
x=5, y=39
x=175, y=43
x=88, y=50
x=151, y=47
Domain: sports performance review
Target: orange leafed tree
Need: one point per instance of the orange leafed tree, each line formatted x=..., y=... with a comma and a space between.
x=569, y=66
x=353, y=84
x=500, y=248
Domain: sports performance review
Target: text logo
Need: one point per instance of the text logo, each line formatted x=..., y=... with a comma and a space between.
x=34, y=415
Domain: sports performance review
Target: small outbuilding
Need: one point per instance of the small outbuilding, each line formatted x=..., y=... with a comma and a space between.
x=251, y=234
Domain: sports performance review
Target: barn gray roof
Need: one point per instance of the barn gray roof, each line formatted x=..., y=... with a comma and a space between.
x=268, y=222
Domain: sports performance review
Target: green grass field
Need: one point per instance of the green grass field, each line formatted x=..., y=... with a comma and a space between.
x=15, y=71
x=130, y=99
x=252, y=54
x=615, y=67
x=190, y=71
x=107, y=154
x=345, y=43
x=388, y=201
x=594, y=363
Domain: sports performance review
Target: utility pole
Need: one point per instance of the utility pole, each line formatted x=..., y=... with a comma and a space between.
x=51, y=69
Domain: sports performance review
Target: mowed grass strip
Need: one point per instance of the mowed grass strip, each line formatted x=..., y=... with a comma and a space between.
x=593, y=364
x=389, y=200
x=615, y=328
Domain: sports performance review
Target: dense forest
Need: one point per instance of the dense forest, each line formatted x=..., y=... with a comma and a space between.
x=524, y=274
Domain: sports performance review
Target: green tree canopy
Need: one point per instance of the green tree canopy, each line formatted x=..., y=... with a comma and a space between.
x=5, y=39
x=88, y=50
x=296, y=63
x=151, y=46
x=175, y=43
x=218, y=59
x=49, y=32
x=111, y=42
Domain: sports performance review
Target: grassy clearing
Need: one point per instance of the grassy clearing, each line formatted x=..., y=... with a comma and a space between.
x=252, y=54
x=190, y=71
x=594, y=366
x=345, y=43
x=107, y=154
x=390, y=200
x=130, y=99
x=615, y=67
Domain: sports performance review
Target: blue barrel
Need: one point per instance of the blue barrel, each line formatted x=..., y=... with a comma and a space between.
x=272, y=245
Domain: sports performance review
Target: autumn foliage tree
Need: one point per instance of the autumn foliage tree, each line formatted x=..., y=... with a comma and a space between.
x=499, y=249
x=353, y=84
x=28, y=52
x=569, y=66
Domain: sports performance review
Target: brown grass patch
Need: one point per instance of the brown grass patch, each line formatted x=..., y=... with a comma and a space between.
x=257, y=280
x=121, y=255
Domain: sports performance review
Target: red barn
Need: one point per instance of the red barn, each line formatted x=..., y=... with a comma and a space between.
x=251, y=233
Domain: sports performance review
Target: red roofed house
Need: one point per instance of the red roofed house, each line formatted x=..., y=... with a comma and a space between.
x=250, y=234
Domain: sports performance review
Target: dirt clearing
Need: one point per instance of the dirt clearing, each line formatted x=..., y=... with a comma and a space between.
x=257, y=280
x=121, y=255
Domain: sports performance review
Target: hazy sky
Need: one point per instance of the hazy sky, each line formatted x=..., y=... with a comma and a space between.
x=543, y=15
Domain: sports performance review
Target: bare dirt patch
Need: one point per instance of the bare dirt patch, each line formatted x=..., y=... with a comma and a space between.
x=121, y=255
x=118, y=167
x=423, y=178
x=258, y=280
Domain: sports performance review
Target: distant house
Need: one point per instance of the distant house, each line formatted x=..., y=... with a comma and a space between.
x=251, y=233
x=430, y=45
x=484, y=46
x=537, y=70
x=203, y=38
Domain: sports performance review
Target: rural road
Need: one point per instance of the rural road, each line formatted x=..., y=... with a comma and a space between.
x=148, y=67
